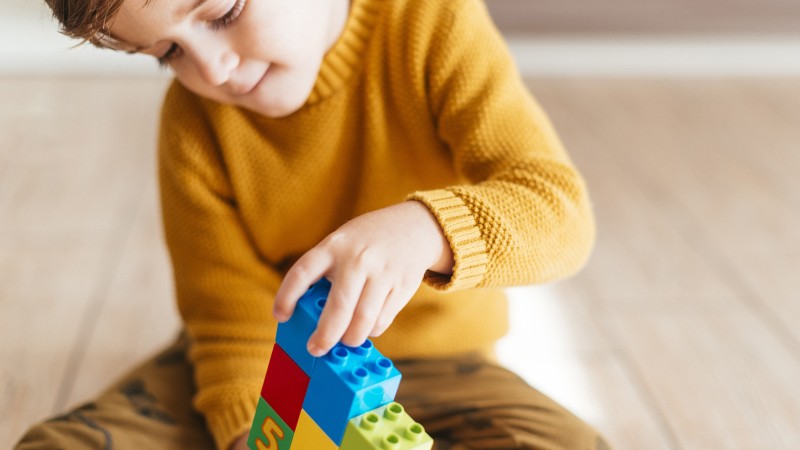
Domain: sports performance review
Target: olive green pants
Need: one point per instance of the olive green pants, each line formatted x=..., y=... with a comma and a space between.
x=463, y=403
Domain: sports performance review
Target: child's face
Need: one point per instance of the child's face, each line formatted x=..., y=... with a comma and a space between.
x=263, y=55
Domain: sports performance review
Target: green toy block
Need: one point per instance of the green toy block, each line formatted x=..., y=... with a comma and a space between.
x=387, y=428
x=269, y=431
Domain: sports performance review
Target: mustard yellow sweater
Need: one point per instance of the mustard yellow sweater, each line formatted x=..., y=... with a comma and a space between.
x=418, y=99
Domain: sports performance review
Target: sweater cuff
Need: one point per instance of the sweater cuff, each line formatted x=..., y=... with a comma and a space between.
x=469, y=248
x=229, y=424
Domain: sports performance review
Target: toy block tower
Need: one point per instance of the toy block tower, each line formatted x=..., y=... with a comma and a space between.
x=342, y=400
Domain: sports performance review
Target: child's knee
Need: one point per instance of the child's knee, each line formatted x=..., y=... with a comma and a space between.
x=72, y=430
x=579, y=435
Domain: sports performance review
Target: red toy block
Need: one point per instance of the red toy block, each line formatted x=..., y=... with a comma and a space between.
x=285, y=386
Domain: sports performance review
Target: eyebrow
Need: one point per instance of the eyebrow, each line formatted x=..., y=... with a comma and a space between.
x=197, y=4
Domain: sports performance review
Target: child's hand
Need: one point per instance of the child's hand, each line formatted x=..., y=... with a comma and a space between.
x=375, y=263
x=240, y=444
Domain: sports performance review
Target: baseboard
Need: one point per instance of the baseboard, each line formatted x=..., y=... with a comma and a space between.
x=657, y=56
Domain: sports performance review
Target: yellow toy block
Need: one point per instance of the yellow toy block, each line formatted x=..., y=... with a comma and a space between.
x=309, y=436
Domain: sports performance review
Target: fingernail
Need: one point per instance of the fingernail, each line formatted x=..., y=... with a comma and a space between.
x=314, y=350
x=279, y=316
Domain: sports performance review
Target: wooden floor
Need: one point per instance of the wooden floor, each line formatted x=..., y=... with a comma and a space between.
x=683, y=332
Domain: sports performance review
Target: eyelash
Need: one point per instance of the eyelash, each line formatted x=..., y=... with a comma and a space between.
x=230, y=16
x=222, y=22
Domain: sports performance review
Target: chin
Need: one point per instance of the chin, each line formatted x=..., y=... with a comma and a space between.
x=282, y=92
x=277, y=108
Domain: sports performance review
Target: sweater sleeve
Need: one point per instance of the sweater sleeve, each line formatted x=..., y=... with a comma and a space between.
x=524, y=216
x=224, y=292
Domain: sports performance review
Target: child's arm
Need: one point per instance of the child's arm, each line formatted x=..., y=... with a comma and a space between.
x=223, y=287
x=522, y=216
x=240, y=443
x=376, y=262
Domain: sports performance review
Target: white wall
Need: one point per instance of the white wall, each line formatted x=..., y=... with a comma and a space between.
x=31, y=45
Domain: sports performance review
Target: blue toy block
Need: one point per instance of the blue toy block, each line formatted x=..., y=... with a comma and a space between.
x=347, y=382
x=293, y=335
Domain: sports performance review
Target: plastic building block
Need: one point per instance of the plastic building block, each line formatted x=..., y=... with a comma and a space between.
x=387, y=428
x=309, y=436
x=285, y=386
x=347, y=382
x=269, y=431
x=307, y=403
x=293, y=334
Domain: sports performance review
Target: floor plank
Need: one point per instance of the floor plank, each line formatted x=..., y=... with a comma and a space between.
x=74, y=161
x=630, y=268
x=44, y=290
x=717, y=166
x=557, y=345
x=704, y=171
x=725, y=380
x=139, y=313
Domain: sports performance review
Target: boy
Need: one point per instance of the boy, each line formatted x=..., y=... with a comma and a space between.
x=377, y=143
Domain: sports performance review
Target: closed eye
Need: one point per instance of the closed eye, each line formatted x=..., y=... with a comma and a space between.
x=222, y=22
x=230, y=16
x=163, y=61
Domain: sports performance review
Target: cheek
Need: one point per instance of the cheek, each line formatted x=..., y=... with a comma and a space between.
x=279, y=35
x=192, y=81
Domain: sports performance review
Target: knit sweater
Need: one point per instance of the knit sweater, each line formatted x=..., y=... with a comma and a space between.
x=417, y=100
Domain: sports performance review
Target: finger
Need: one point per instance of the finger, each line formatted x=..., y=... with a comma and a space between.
x=305, y=272
x=395, y=302
x=337, y=313
x=369, y=306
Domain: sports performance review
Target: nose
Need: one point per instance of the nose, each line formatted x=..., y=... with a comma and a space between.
x=214, y=61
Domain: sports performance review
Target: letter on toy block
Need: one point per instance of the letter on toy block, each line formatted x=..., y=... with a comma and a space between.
x=293, y=334
x=387, y=427
x=347, y=382
x=269, y=431
x=285, y=386
x=309, y=436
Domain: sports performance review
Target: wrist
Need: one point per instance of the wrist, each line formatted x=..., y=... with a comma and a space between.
x=442, y=259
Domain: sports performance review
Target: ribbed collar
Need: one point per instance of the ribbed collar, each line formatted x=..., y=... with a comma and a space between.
x=344, y=58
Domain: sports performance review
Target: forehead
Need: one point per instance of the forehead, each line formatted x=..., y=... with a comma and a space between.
x=140, y=23
x=184, y=8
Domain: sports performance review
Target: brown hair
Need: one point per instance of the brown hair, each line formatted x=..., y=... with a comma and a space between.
x=87, y=20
